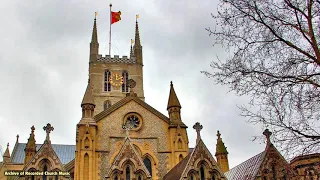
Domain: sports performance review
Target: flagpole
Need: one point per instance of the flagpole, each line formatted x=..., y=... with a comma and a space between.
x=110, y=31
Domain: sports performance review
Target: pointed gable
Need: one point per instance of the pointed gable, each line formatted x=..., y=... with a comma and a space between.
x=45, y=152
x=273, y=160
x=128, y=153
x=126, y=100
x=246, y=170
x=191, y=162
x=260, y=165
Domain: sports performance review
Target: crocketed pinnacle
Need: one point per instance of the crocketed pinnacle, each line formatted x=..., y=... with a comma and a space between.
x=94, y=38
x=31, y=144
x=173, y=99
x=137, y=36
x=220, y=147
x=88, y=97
x=7, y=153
x=131, y=51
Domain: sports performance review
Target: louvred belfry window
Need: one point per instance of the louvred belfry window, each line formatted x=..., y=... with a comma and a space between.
x=107, y=85
x=125, y=87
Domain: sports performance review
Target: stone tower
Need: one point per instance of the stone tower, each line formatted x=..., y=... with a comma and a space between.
x=222, y=154
x=177, y=129
x=109, y=75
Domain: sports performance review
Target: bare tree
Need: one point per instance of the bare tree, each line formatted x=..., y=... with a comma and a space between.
x=275, y=59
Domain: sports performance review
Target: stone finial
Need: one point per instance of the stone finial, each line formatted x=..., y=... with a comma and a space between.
x=17, y=140
x=198, y=127
x=48, y=128
x=268, y=134
x=218, y=134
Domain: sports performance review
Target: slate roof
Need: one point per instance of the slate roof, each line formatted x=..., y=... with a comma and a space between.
x=246, y=170
x=176, y=171
x=66, y=153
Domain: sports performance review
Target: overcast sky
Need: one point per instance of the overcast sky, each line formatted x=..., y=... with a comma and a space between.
x=44, y=67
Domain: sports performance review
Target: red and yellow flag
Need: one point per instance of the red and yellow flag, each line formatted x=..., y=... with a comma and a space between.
x=115, y=17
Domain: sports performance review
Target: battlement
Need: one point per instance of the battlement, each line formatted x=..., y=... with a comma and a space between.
x=116, y=59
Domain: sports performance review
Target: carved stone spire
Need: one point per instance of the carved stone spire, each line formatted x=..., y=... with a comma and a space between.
x=6, y=156
x=48, y=128
x=220, y=147
x=94, y=45
x=198, y=127
x=137, y=48
x=88, y=106
x=173, y=99
x=222, y=154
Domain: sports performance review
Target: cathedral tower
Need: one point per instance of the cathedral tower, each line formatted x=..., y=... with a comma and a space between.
x=222, y=154
x=177, y=129
x=109, y=75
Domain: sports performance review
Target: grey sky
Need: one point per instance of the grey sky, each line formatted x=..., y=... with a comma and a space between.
x=44, y=67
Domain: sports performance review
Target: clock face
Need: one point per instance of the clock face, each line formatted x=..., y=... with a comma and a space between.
x=116, y=79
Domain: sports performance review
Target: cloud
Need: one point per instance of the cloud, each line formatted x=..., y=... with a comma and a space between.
x=44, y=66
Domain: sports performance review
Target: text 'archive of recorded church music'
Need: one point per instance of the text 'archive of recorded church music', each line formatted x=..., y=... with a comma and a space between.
x=36, y=173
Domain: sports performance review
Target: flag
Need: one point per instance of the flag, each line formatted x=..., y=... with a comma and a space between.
x=115, y=17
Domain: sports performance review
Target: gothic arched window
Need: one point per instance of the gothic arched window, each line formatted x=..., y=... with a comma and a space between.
x=139, y=178
x=128, y=173
x=202, y=175
x=106, y=104
x=179, y=144
x=125, y=87
x=116, y=177
x=213, y=177
x=147, y=163
x=107, y=85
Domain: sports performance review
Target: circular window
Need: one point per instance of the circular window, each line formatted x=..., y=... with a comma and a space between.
x=132, y=121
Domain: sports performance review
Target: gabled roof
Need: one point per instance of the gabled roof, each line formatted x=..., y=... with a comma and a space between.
x=249, y=169
x=177, y=170
x=246, y=170
x=126, y=100
x=46, y=147
x=66, y=153
x=123, y=154
x=182, y=168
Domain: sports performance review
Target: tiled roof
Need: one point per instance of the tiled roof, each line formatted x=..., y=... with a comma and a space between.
x=176, y=171
x=246, y=170
x=66, y=153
